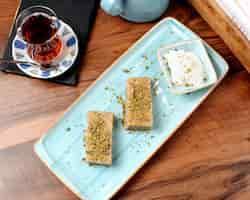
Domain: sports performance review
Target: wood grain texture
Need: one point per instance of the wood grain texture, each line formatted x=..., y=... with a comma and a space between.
x=40, y=102
x=224, y=26
x=206, y=155
x=208, y=158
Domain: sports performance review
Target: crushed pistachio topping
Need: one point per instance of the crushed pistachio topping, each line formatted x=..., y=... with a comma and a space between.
x=120, y=100
x=140, y=101
x=188, y=70
x=145, y=57
x=126, y=70
x=138, y=107
x=98, y=143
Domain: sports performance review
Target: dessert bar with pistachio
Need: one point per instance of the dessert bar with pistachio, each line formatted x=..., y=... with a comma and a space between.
x=98, y=138
x=138, y=107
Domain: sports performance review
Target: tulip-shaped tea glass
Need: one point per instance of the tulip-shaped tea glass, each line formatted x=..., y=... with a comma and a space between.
x=38, y=27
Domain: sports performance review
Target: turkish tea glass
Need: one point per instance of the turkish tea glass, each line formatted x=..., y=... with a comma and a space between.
x=38, y=27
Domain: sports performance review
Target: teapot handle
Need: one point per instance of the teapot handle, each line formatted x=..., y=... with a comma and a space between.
x=112, y=7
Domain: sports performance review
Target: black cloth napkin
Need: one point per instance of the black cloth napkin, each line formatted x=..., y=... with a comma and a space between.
x=79, y=14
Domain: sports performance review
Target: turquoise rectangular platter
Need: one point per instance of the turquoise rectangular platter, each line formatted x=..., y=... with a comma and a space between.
x=62, y=148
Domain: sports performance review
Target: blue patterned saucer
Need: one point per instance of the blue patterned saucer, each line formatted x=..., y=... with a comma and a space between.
x=64, y=61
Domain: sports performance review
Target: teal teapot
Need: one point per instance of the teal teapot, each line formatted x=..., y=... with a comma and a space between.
x=135, y=10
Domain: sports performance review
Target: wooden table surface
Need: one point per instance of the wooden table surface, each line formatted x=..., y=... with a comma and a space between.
x=207, y=158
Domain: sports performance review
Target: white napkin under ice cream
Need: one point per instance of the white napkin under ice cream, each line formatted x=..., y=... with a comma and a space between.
x=239, y=12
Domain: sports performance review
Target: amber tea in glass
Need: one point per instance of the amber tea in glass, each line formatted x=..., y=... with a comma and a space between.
x=38, y=26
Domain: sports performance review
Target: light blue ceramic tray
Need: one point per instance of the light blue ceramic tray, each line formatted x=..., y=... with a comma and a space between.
x=62, y=148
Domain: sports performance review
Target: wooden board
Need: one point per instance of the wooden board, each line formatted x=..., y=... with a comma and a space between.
x=224, y=27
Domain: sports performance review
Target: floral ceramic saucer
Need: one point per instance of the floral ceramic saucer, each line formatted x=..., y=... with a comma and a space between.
x=63, y=62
